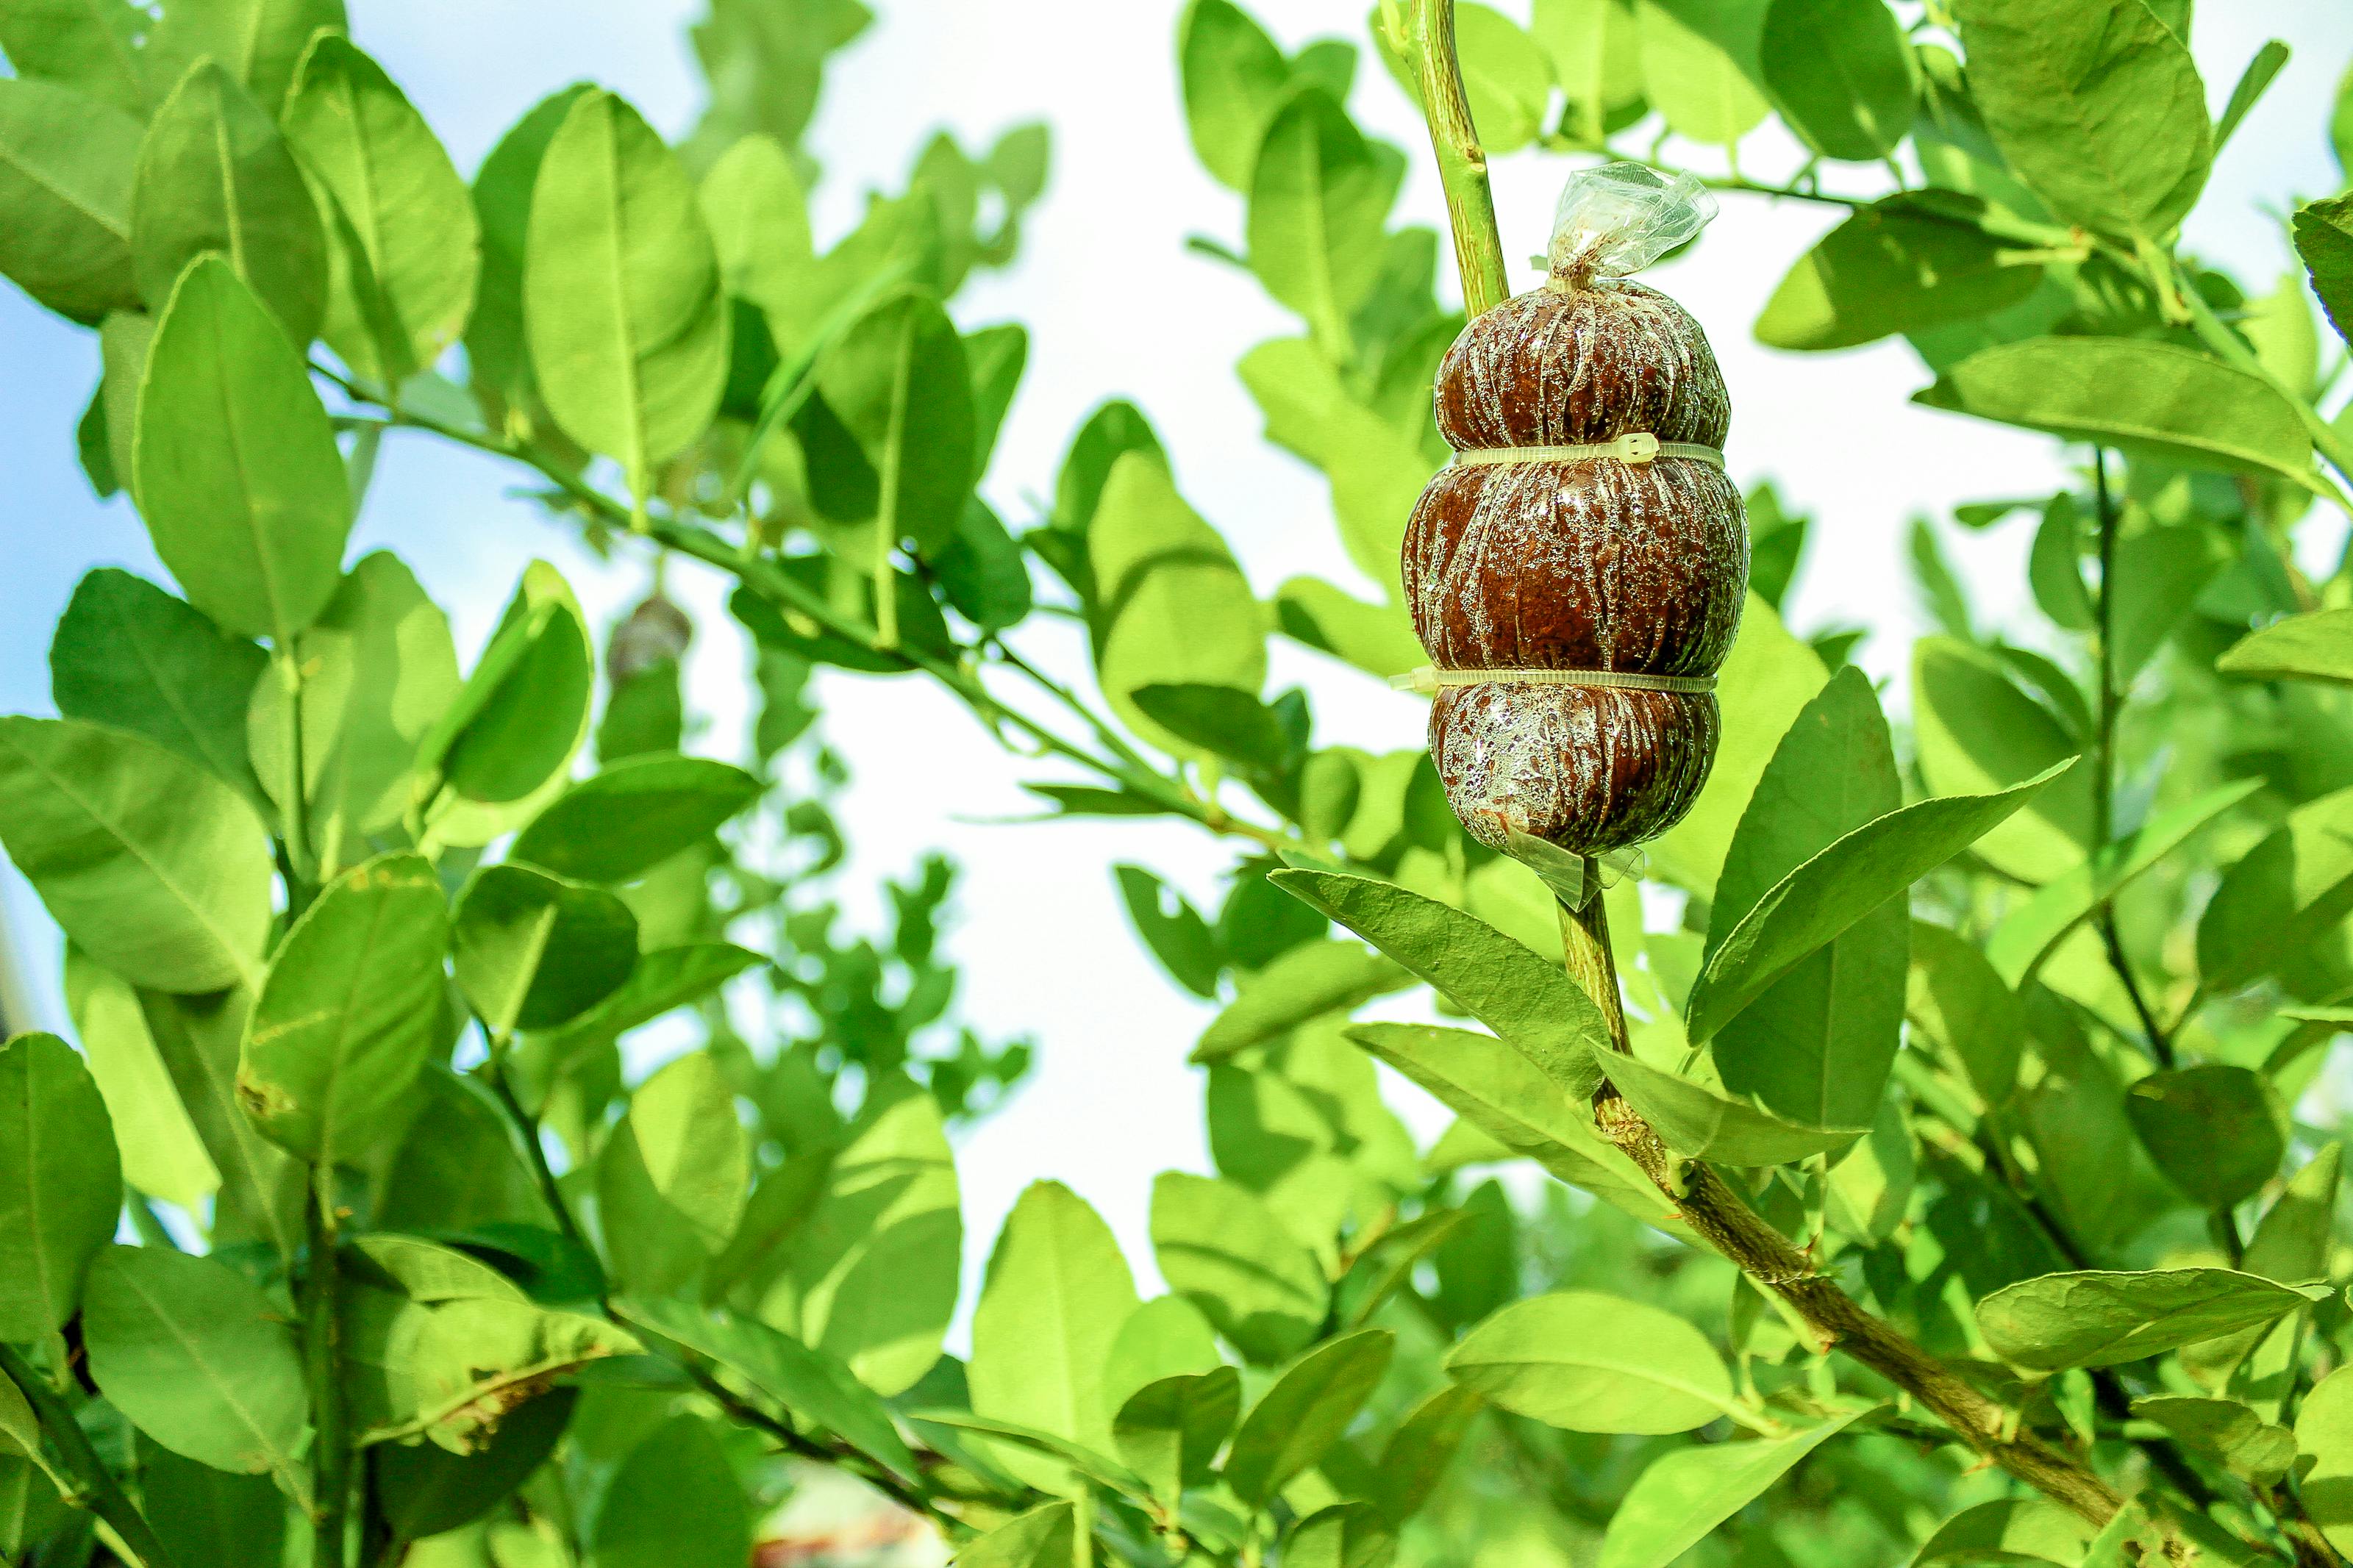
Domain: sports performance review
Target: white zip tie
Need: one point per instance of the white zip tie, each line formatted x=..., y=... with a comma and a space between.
x=1429, y=679
x=1636, y=447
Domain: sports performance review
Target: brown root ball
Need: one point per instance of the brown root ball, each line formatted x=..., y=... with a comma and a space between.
x=1552, y=369
x=1587, y=769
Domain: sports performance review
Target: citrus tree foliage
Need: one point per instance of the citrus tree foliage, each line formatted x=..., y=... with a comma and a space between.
x=1943, y=1195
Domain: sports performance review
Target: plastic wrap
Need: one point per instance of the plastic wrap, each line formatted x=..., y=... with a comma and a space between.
x=1613, y=221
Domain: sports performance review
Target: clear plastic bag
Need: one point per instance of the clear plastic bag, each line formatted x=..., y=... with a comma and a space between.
x=1620, y=218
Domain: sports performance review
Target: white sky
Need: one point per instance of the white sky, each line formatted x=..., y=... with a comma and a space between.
x=1115, y=306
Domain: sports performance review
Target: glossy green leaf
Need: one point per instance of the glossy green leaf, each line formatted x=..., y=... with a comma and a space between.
x=424, y=1490
x=523, y=711
x=438, y=1344
x=1976, y=731
x=870, y=1275
x=239, y=478
x=128, y=654
x=2290, y=1244
x=1222, y=1248
x=1596, y=51
x=1377, y=469
x=1318, y=197
x=260, y=42
x=813, y=1385
x=2157, y=399
x=1698, y=1120
x=672, y=1180
x=1699, y=63
x=759, y=214
x=1587, y=1361
x=2218, y=1132
x=65, y=167
x=620, y=824
x=1177, y=610
x=622, y=299
x=2324, y=239
x=349, y=1011
x=534, y=950
x=262, y=1189
x=1169, y=1430
x=1959, y=1002
x=2226, y=1430
x=1045, y=1537
x=1831, y=892
x=2099, y=1319
x=1303, y=1413
x=2324, y=1456
x=208, y=1518
x=1308, y=981
x=1683, y=1496
x=1522, y=996
x=2292, y=886
x=199, y=1359
x=60, y=1183
x=1899, y=265
x=1235, y=80
x=2010, y=1529
x=892, y=428
x=405, y=289
x=2096, y=106
x=456, y=1166
x=378, y=671
x=664, y=978
x=162, y=1155
x=216, y=176
x=1816, y=1046
x=1165, y=1337
x=92, y=46
x=2316, y=646
x=498, y=360
x=1057, y=1294
x=1841, y=72
x=156, y=867
x=674, y=1502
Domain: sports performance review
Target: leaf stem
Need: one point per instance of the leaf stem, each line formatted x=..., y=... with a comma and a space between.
x=295, y=809
x=97, y=1488
x=1461, y=163
x=323, y=1358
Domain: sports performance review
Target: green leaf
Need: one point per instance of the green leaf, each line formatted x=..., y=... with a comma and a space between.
x=2218, y=1132
x=153, y=866
x=1683, y=1496
x=1169, y=1430
x=1177, y=610
x=870, y=1275
x=2292, y=1243
x=1596, y=49
x=1377, y=638
x=619, y=825
x=1841, y=72
x=1377, y=468
x=674, y=1502
x=1172, y=929
x=1699, y=61
x=162, y=1155
x=438, y=1344
x=891, y=427
x=758, y=214
x=664, y=979
x=210, y=1519
x=60, y=1183
x=1587, y=1361
x=1505, y=1095
x=1235, y=80
x=89, y=45
x=1386, y=1264
x=455, y=1166
x=1507, y=75
x=813, y=1385
x=2316, y=646
x=2030, y=934
x=1230, y=724
x=534, y=950
x=2226, y=1430
x=262, y=1190
x=2151, y=399
x=199, y=1359
x=1045, y=1537
x=2281, y=895
x=2101, y=1319
x=1960, y=1001
x=1222, y=1248
x=378, y=671
x=1416, y=1455
x=1522, y=998
x=2324, y=239
x=622, y=302
x=1057, y=1294
x=1318, y=197
x=1310, y=981
x=425, y=1490
x=349, y=1011
x=2096, y=106
x=216, y=176
x=1829, y=893
x=1165, y=1337
x=2012, y=1530
x=1696, y=1119
x=672, y=1177
x=1975, y=733
x=1297, y=1420
x=407, y=286
x=65, y=167
x=524, y=709
x=1901, y=264
x=262, y=41
x=1815, y=1047
x=1341, y=1535
x=238, y=479
x=128, y=654
x=2324, y=1456
x=498, y=361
